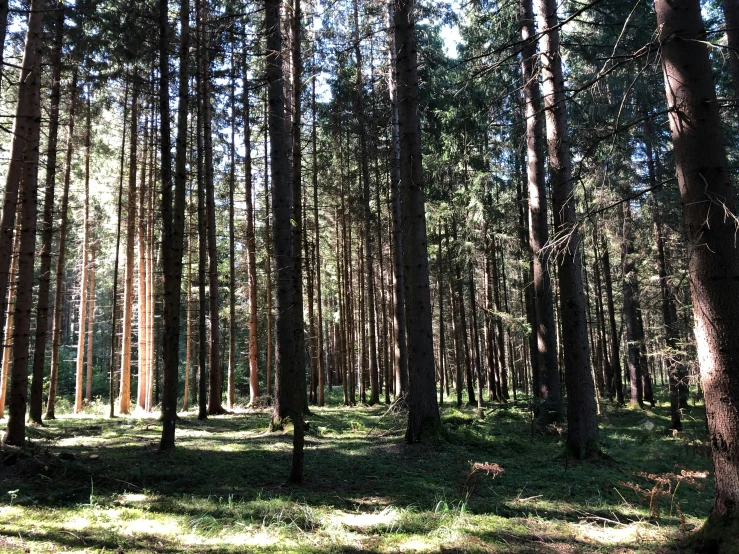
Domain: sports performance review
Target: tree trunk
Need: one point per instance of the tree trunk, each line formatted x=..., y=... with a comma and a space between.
x=299, y=403
x=231, y=387
x=251, y=251
x=268, y=252
x=549, y=390
x=214, y=374
x=42, y=307
x=399, y=324
x=615, y=346
x=173, y=218
x=281, y=226
x=317, y=250
x=56, y=330
x=24, y=153
x=124, y=406
x=423, y=410
x=143, y=277
x=631, y=306
x=90, y=324
x=78, y=394
x=582, y=422
x=7, y=347
x=202, y=261
x=705, y=188
x=364, y=162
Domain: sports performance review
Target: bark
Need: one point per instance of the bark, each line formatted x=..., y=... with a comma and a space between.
x=124, y=406
x=705, y=188
x=251, y=252
x=582, y=423
x=299, y=403
x=47, y=226
x=423, y=409
x=90, y=325
x=631, y=306
x=143, y=278
x=188, y=336
x=9, y=327
x=56, y=330
x=317, y=251
x=442, y=338
x=202, y=262
x=615, y=341
x=231, y=387
x=549, y=389
x=399, y=323
x=78, y=392
x=501, y=365
x=173, y=218
x=24, y=153
x=214, y=373
x=281, y=225
x=364, y=162
x=268, y=251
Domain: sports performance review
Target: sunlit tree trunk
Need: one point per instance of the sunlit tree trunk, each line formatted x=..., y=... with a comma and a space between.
x=281, y=224
x=23, y=164
x=582, y=433
x=56, y=330
x=231, y=380
x=90, y=324
x=299, y=401
x=268, y=251
x=7, y=347
x=47, y=230
x=705, y=188
x=214, y=373
x=78, y=392
x=399, y=325
x=173, y=218
x=251, y=247
x=124, y=405
x=25, y=153
x=423, y=410
x=549, y=390
x=143, y=297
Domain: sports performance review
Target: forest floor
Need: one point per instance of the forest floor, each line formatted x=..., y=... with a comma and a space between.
x=92, y=484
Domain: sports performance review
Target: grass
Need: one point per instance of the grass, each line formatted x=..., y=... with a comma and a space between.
x=91, y=484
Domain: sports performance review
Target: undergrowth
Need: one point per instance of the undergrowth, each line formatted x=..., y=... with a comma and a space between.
x=498, y=484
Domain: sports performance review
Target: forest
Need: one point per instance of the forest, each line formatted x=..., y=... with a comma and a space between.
x=369, y=276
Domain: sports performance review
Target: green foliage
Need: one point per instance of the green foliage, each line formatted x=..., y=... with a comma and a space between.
x=490, y=486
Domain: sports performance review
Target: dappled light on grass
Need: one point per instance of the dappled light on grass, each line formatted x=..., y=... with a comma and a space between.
x=485, y=486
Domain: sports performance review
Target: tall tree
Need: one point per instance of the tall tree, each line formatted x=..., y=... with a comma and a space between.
x=399, y=325
x=42, y=305
x=582, y=422
x=173, y=215
x=23, y=168
x=61, y=260
x=78, y=392
x=423, y=409
x=706, y=192
x=546, y=332
x=124, y=405
x=251, y=247
x=281, y=196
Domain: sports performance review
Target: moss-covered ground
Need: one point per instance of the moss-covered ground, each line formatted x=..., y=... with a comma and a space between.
x=92, y=484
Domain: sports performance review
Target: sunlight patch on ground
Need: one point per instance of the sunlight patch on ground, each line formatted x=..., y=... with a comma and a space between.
x=385, y=518
x=132, y=497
